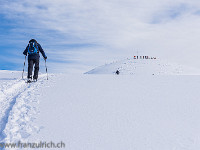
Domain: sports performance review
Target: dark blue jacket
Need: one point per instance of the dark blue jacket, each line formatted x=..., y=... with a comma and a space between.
x=37, y=55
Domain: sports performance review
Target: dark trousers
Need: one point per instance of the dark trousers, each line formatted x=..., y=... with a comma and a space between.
x=32, y=62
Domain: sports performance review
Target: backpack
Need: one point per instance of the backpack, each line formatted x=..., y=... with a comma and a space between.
x=32, y=47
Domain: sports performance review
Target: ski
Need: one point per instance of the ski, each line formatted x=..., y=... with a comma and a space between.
x=31, y=81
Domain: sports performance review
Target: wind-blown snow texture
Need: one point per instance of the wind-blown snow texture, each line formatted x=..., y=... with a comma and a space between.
x=106, y=112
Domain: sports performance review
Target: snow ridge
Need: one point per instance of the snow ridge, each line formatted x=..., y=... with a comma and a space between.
x=143, y=67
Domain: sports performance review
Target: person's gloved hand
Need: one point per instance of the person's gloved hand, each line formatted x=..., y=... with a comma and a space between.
x=45, y=57
x=25, y=54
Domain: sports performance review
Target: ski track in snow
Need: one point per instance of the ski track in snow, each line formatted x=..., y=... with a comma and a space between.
x=18, y=102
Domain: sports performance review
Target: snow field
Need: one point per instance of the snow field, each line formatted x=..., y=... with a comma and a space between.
x=106, y=112
x=18, y=108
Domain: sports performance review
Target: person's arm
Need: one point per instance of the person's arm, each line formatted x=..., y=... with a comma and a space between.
x=25, y=51
x=42, y=51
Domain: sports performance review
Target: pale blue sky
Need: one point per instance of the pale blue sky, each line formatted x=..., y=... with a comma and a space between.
x=79, y=35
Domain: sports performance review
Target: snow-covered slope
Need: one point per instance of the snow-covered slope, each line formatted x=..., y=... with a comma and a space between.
x=144, y=67
x=88, y=112
x=18, y=105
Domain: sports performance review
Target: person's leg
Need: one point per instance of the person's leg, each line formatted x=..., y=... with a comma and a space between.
x=37, y=62
x=30, y=68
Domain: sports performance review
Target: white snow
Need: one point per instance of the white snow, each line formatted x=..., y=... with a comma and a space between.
x=103, y=112
x=145, y=66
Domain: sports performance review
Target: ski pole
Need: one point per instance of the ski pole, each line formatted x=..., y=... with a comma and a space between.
x=23, y=68
x=46, y=69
